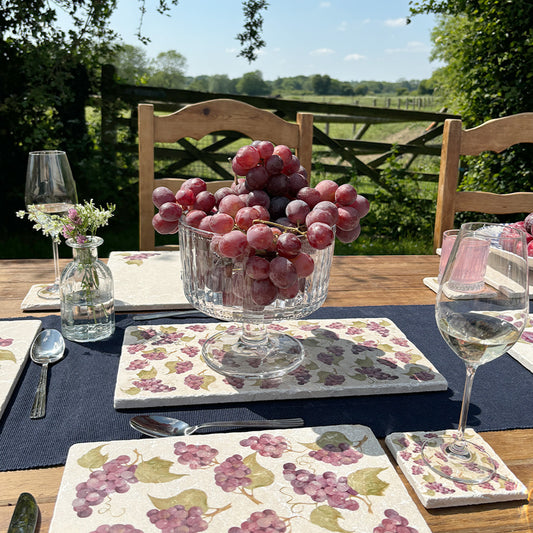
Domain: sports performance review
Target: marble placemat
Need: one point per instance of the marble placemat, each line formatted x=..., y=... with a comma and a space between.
x=317, y=479
x=16, y=337
x=162, y=365
x=436, y=491
x=522, y=351
x=143, y=281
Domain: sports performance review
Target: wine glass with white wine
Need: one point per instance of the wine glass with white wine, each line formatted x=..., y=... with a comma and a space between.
x=481, y=310
x=51, y=189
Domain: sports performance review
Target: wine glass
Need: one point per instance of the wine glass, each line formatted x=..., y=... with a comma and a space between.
x=481, y=310
x=51, y=189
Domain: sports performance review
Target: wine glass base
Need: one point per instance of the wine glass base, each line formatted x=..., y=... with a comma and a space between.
x=471, y=465
x=50, y=292
x=271, y=357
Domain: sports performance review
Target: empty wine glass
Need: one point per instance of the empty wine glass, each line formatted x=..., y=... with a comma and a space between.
x=481, y=310
x=51, y=189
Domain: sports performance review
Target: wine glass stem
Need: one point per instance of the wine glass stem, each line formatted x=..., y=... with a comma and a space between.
x=56, y=261
x=458, y=445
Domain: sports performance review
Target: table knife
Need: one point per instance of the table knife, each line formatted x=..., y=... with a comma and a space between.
x=24, y=519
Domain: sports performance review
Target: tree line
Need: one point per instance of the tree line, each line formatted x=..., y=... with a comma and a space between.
x=168, y=69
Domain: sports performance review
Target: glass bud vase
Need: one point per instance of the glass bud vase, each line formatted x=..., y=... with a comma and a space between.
x=87, y=294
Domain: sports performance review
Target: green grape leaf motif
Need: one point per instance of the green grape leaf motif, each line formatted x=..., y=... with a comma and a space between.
x=156, y=470
x=132, y=391
x=188, y=498
x=207, y=381
x=327, y=518
x=260, y=476
x=367, y=482
x=147, y=374
x=93, y=458
x=7, y=355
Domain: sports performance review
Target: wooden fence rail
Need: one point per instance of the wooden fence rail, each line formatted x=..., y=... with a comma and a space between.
x=338, y=157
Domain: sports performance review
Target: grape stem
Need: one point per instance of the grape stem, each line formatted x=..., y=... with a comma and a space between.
x=280, y=226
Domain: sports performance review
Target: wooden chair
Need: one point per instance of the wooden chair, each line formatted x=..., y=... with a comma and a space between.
x=197, y=121
x=494, y=135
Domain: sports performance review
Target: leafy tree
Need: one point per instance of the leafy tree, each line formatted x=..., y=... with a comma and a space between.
x=252, y=83
x=168, y=70
x=220, y=83
x=321, y=83
x=487, y=48
x=132, y=64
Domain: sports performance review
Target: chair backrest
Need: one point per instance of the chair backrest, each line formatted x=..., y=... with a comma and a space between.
x=495, y=136
x=197, y=121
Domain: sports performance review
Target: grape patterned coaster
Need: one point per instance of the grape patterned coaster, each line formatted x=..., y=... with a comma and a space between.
x=143, y=281
x=331, y=478
x=162, y=365
x=435, y=491
x=16, y=337
x=522, y=351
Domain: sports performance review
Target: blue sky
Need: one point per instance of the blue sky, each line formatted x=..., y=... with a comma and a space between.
x=350, y=40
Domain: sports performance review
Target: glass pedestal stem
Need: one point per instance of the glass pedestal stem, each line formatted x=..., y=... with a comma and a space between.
x=55, y=251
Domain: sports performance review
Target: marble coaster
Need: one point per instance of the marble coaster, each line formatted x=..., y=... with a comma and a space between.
x=522, y=351
x=436, y=491
x=162, y=365
x=16, y=337
x=143, y=281
x=237, y=481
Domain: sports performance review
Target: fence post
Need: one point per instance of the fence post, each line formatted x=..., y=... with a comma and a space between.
x=109, y=127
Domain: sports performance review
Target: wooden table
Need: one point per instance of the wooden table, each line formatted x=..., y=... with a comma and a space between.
x=355, y=281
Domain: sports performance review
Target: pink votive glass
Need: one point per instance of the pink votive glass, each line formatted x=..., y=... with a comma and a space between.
x=448, y=240
x=470, y=264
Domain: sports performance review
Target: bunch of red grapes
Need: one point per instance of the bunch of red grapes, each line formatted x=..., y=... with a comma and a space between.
x=270, y=216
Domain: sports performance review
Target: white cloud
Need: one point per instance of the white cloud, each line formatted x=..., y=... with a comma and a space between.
x=343, y=26
x=231, y=50
x=354, y=57
x=325, y=4
x=322, y=52
x=395, y=23
x=412, y=47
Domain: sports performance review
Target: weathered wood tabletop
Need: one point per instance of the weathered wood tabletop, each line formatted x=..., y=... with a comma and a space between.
x=355, y=281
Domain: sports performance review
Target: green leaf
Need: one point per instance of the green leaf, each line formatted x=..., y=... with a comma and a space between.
x=333, y=437
x=132, y=391
x=188, y=498
x=156, y=470
x=207, y=381
x=7, y=355
x=367, y=362
x=147, y=374
x=327, y=518
x=137, y=262
x=93, y=458
x=171, y=365
x=260, y=476
x=168, y=329
x=387, y=348
x=367, y=483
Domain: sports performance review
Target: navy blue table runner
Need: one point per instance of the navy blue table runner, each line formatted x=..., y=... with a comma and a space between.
x=81, y=388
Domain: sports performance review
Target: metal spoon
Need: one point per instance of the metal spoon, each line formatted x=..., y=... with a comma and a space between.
x=163, y=426
x=48, y=347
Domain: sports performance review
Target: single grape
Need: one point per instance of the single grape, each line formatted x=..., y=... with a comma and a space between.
x=330, y=207
x=296, y=211
x=345, y=194
x=257, y=267
x=163, y=227
x=260, y=237
x=348, y=218
x=247, y=157
x=309, y=195
x=348, y=236
x=193, y=218
x=304, y=264
x=205, y=223
x=258, y=198
x=265, y=149
x=319, y=215
x=362, y=205
x=288, y=245
x=220, y=193
x=239, y=187
x=263, y=291
x=162, y=195
x=282, y=272
x=245, y=217
x=274, y=164
x=205, y=201
x=278, y=185
x=290, y=292
x=297, y=181
x=185, y=197
x=292, y=166
x=238, y=169
x=230, y=204
x=221, y=223
x=232, y=244
x=320, y=235
x=170, y=211
x=277, y=206
x=256, y=178
x=327, y=189
x=196, y=185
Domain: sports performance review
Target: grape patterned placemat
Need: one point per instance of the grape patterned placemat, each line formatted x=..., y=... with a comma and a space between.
x=331, y=478
x=143, y=281
x=16, y=337
x=162, y=365
x=436, y=491
x=522, y=351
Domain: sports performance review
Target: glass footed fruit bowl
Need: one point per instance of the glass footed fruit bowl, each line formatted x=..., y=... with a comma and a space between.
x=231, y=289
